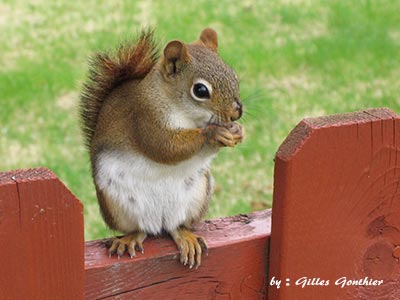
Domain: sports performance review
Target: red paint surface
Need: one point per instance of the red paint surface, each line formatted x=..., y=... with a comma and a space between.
x=41, y=238
x=337, y=207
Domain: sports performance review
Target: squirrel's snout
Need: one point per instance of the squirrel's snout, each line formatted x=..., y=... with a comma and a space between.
x=237, y=110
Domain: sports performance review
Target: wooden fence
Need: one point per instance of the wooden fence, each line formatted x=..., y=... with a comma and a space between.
x=335, y=230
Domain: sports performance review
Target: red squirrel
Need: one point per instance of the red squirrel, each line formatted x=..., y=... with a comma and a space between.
x=153, y=123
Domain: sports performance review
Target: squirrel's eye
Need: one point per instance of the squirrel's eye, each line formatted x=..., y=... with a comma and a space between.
x=201, y=91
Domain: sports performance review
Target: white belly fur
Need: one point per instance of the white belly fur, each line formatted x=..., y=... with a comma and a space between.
x=150, y=195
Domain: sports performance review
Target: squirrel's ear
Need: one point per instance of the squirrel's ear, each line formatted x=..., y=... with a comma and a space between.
x=176, y=56
x=209, y=38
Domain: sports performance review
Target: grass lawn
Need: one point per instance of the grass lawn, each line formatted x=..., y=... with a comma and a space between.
x=295, y=59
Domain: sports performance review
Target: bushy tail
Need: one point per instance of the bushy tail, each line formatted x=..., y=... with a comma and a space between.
x=107, y=71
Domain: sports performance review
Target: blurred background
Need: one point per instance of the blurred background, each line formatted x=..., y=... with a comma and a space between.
x=295, y=59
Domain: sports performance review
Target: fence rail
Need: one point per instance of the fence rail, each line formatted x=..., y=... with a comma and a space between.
x=336, y=213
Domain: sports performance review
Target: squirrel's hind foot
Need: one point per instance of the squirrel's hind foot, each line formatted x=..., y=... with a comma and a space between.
x=190, y=246
x=132, y=242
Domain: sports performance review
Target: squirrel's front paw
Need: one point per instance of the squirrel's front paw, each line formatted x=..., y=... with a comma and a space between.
x=190, y=246
x=132, y=242
x=228, y=136
x=237, y=131
x=223, y=137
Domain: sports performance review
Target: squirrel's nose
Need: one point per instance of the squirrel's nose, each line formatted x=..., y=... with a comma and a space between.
x=237, y=110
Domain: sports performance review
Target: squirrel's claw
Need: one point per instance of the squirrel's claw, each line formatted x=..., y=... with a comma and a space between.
x=191, y=247
x=139, y=247
x=131, y=242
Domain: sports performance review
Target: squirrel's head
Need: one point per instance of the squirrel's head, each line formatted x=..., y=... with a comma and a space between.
x=198, y=78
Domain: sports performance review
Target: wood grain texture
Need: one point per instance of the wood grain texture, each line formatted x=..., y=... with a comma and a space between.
x=336, y=209
x=41, y=238
x=235, y=267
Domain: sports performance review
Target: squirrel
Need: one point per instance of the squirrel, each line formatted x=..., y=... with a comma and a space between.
x=152, y=124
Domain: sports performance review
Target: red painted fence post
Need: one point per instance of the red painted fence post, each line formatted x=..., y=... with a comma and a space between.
x=336, y=210
x=41, y=238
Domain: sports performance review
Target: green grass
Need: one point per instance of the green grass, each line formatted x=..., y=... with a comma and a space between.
x=294, y=58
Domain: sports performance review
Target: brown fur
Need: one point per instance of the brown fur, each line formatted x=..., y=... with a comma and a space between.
x=132, y=61
x=206, y=201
